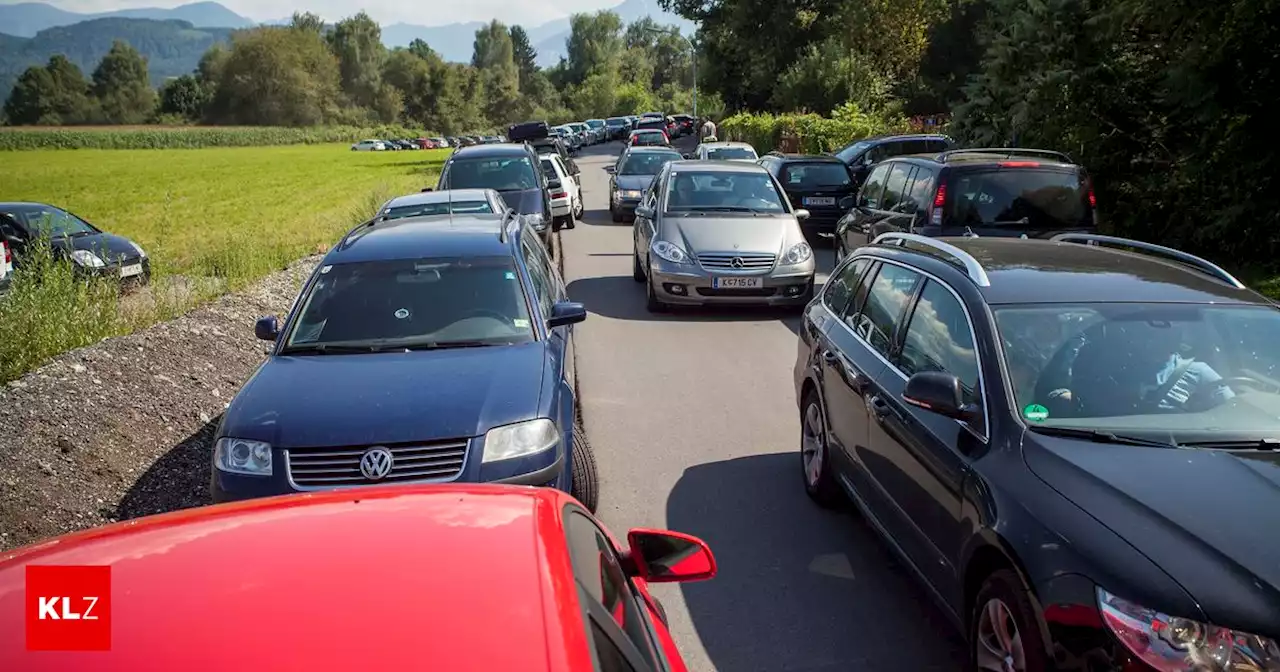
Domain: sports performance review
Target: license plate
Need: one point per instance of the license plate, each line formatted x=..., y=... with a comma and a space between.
x=131, y=270
x=820, y=200
x=737, y=283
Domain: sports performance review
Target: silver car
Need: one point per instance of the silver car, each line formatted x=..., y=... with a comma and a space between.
x=720, y=232
x=444, y=202
x=725, y=151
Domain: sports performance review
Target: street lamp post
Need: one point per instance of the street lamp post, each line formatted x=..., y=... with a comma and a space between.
x=693, y=54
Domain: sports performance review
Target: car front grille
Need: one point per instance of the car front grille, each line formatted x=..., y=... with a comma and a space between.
x=332, y=467
x=725, y=261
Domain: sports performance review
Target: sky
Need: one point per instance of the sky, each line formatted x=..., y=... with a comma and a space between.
x=420, y=12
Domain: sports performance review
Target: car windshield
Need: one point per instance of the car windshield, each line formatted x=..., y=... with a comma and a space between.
x=393, y=304
x=1174, y=372
x=727, y=153
x=722, y=192
x=815, y=175
x=508, y=173
x=616, y=122
x=48, y=221
x=646, y=163
x=441, y=208
x=850, y=152
x=1024, y=198
x=595, y=123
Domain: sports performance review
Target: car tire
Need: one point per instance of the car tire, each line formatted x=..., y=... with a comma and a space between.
x=615, y=215
x=637, y=271
x=1003, y=597
x=652, y=304
x=586, y=479
x=819, y=480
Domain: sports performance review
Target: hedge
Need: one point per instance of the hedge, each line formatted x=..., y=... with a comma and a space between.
x=189, y=137
x=809, y=133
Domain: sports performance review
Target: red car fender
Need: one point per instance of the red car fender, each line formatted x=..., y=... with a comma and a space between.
x=658, y=616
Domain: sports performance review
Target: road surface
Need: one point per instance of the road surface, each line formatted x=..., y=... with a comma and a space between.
x=693, y=419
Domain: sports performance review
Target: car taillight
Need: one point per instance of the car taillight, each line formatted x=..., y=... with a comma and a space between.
x=1093, y=200
x=939, y=200
x=1019, y=164
x=559, y=194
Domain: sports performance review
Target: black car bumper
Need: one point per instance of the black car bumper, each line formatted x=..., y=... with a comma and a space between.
x=129, y=271
x=820, y=224
x=626, y=206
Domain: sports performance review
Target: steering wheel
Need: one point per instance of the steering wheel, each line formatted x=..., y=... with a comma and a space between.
x=485, y=312
x=1246, y=381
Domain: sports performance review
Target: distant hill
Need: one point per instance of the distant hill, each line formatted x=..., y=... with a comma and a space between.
x=172, y=48
x=25, y=19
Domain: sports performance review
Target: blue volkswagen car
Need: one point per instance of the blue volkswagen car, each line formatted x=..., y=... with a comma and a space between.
x=422, y=349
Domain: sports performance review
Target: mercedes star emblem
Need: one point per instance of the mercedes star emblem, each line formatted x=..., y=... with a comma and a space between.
x=376, y=463
x=737, y=262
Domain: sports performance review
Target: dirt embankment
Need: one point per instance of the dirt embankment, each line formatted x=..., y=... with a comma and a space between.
x=122, y=428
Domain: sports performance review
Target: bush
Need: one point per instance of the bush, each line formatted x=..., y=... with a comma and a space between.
x=812, y=133
x=191, y=137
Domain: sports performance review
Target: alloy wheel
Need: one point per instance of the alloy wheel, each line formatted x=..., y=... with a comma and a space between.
x=999, y=643
x=812, y=452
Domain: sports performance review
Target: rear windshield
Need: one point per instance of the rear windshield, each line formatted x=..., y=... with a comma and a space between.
x=442, y=208
x=653, y=123
x=506, y=173
x=815, y=175
x=616, y=122
x=726, y=153
x=1026, y=198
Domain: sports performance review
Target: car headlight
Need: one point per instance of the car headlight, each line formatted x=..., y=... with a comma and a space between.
x=798, y=254
x=242, y=456
x=1173, y=644
x=536, y=221
x=521, y=439
x=630, y=193
x=87, y=259
x=671, y=252
x=138, y=248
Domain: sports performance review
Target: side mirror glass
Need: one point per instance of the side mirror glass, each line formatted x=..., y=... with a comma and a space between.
x=660, y=556
x=644, y=211
x=611, y=169
x=802, y=214
x=939, y=393
x=846, y=203
x=267, y=328
x=566, y=312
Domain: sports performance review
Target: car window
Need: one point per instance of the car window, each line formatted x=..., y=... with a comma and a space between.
x=1025, y=198
x=936, y=146
x=507, y=173
x=599, y=574
x=938, y=338
x=839, y=291
x=850, y=152
x=873, y=188
x=691, y=190
x=549, y=169
x=816, y=175
x=646, y=163
x=48, y=221
x=610, y=658
x=727, y=153
x=880, y=317
x=439, y=208
x=543, y=285
x=896, y=185
x=413, y=302
x=920, y=193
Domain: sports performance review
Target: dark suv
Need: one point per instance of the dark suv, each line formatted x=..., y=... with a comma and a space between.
x=819, y=184
x=513, y=170
x=860, y=156
x=1071, y=442
x=1026, y=193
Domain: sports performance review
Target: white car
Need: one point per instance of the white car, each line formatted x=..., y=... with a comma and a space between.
x=444, y=203
x=440, y=143
x=369, y=146
x=725, y=151
x=6, y=264
x=566, y=201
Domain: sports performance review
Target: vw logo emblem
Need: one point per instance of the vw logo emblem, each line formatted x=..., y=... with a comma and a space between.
x=737, y=262
x=376, y=463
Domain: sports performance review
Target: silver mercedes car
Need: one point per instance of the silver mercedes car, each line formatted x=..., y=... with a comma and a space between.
x=720, y=232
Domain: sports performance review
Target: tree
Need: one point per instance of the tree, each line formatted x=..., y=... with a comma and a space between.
x=307, y=21
x=183, y=96
x=278, y=77
x=419, y=48
x=526, y=57
x=594, y=46
x=494, y=60
x=122, y=86
x=357, y=43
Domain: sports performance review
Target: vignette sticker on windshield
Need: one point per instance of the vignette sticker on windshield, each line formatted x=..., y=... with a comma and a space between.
x=510, y=275
x=520, y=323
x=1035, y=413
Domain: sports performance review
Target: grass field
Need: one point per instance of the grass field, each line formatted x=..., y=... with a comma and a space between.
x=38, y=138
x=214, y=218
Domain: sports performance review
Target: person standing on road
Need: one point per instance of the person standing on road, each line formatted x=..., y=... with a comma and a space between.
x=708, y=129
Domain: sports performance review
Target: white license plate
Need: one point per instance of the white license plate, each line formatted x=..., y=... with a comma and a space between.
x=737, y=283
x=131, y=270
x=822, y=200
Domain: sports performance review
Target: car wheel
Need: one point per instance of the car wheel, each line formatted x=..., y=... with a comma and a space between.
x=839, y=250
x=652, y=303
x=586, y=480
x=819, y=481
x=1003, y=635
x=637, y=271
x=615, y=215
x=578, y=209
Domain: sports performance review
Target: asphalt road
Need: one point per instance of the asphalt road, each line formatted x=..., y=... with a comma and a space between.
x=693, y=419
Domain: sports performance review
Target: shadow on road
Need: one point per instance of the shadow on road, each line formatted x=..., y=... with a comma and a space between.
x=797, y=583
x=178, y=480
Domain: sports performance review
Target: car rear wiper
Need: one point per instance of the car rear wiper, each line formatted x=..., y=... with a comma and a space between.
x=1098, y=436
x=1010, y=222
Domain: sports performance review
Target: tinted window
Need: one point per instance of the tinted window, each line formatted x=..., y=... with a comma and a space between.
x=889, y=294
x=851, y=152
x=727, y=153
x=825, y=175
x=840, y=290
x=611, y=659
x=646, y=163
x=896, y=185
x=596, y=568
x=414, y=302
x=508, y=173
x=543, y=285
x=1025, y=198
x=938, y=338
x=430, y=209
x=937, y=145
x=47, y=221
x=723, y=191
x=549, y=169
x=872, y=189
x=920, y=194
x=653, y=123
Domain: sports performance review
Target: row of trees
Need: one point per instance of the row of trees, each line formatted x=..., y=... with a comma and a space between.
x=310, y=73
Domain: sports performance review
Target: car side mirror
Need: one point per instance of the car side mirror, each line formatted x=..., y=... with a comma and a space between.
x=644, y=211
x=802, y=214
x=939, y=393
x=661, y=556
x=690, y=156
x=846, y=203
x=566, y=312
x=267, y=328
x=611, y=169
x=427, y=189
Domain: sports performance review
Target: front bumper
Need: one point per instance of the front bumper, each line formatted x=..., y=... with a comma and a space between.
x=626, y=206
x=684, y=284
x=138, y=270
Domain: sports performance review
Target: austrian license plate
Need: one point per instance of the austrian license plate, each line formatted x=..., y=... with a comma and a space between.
x=820, y=200
x=131, y=270
x=737, y=283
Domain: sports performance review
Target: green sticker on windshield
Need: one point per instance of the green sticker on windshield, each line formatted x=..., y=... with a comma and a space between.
x=1035, y=413
x=511, y=275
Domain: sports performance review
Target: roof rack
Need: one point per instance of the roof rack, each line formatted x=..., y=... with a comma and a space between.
x=971, y=265
x=1200, y=264
x=1007, y=153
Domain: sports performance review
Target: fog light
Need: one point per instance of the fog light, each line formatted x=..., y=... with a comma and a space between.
x=674, y=288
x=795, y=290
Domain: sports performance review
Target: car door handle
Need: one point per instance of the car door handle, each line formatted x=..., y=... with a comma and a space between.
x=854, y=378
x=879, y=407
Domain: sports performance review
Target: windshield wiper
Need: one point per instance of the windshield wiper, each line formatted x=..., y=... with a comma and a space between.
x=725, y=208
x=1248, y=444
x=447, y=345
x=1098, y=436
x=331, y=349
x=1010, y=222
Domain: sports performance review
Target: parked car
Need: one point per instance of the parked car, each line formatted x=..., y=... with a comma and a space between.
x=648, y=137
x=92, y=250
x=987, y=192
x=566, y=135
x=431, y=203
x=566, y=192
x=338, y=570
x=513, y=170
x=863, y=154
x=6, y=265
x=725, y=151
x=583, y=131
x=441, y=143
x=819, y=184
x=744, y=246
x=653, y=123
x=597, y=127
x=1058, y=437
x=369, y=146
x=631, y=176
x=618, y=127
x=451, y=349
x=684, y=124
